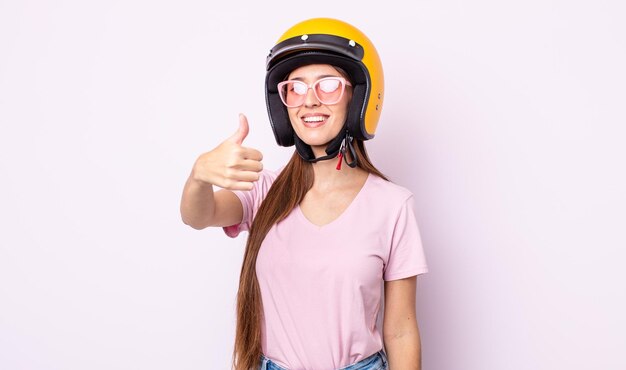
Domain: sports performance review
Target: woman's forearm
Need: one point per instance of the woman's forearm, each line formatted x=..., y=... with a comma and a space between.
x=404, y=353
x=197, y=205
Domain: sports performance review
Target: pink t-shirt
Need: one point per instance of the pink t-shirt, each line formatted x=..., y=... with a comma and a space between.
x=321, y=286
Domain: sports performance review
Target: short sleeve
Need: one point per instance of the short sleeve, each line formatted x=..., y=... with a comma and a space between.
x=251, y=201
x=406, y=255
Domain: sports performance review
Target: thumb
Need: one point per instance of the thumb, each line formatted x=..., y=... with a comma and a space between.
x=242, y=131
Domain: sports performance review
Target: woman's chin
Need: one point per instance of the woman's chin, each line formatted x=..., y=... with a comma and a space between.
x=317, y=142
x=317, y=138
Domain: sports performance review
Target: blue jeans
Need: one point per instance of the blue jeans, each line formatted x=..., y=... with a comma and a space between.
x=377, y=361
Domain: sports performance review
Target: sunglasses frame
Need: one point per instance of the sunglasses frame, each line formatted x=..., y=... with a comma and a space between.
x=311, y=86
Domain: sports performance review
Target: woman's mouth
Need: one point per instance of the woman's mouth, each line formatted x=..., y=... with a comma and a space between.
x=312, y=121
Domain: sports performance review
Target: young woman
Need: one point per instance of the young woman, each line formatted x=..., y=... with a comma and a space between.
x=323, y=237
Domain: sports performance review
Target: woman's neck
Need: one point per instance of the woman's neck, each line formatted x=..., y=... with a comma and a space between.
x=328, y=177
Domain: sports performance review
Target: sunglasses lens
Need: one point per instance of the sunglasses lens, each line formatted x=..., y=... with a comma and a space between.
x=328, y=86
x=293, y=93
x=329, y=90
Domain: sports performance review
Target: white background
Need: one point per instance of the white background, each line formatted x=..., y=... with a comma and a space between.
x=506, y=119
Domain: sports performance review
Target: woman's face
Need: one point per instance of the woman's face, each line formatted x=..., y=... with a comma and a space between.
x=315, y=123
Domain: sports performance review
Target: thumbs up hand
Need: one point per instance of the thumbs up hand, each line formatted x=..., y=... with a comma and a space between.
x=230, y=165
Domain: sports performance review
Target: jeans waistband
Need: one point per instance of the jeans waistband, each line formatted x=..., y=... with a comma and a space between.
x=376, y=361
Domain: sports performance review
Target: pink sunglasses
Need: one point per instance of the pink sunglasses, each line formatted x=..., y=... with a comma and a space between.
x=327, y=90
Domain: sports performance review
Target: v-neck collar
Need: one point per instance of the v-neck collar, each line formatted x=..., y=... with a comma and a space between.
x=341, y=216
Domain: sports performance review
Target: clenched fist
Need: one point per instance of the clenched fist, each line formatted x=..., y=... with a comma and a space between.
x=230, y=165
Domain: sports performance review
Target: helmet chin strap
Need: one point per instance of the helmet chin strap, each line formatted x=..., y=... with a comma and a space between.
x=336, y=146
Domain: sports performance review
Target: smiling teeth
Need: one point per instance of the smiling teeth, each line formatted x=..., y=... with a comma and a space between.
x=314, y=119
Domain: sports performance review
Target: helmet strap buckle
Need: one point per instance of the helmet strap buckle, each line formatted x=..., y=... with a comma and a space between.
x=347, y=143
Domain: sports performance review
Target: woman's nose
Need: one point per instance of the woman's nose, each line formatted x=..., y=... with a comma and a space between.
x=310, y=99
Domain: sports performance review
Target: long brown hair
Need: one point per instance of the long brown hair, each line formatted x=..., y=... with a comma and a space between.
x=286, y=192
